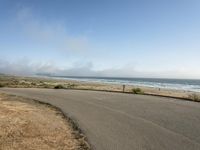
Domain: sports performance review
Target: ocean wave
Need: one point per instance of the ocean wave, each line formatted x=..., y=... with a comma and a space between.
x=176, y=84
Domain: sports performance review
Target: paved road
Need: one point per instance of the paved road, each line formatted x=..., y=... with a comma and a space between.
x=114, y=121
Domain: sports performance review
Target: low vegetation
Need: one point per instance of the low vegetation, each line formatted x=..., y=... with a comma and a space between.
x=1, y=85
x=194, y=97
x=31, y=82
x=137, y=91
x=71, y=86
x=59, y=86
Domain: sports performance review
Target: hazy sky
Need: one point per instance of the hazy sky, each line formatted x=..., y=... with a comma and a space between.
x=129, y=38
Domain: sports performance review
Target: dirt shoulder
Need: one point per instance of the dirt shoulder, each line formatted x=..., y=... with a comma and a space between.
x=27, y=124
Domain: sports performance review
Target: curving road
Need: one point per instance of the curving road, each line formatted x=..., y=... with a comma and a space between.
x=115, y=121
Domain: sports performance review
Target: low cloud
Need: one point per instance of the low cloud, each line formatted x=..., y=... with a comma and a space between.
x=54, y=34
x=26, y=67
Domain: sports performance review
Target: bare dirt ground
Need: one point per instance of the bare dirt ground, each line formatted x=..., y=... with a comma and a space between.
x=29, y=125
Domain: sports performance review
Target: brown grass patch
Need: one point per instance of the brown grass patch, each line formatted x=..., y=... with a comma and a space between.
x=29, y=125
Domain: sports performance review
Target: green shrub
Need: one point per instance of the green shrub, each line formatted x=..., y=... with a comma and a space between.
x=194, y=97
x=1, y=85
x=59, y=86
x=71, y=86
x=33, y=83
x=48, y=86
x=137, y=91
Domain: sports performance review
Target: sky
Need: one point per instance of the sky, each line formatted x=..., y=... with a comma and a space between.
x=115, y=38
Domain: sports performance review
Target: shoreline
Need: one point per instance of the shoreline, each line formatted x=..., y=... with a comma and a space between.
x=188, y=85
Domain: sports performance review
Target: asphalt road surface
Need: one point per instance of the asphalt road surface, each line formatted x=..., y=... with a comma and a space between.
x=116, y=121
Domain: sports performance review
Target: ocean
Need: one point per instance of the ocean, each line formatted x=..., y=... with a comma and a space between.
x=177, y=84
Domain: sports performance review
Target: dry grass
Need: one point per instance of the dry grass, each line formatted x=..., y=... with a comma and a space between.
x=27, y=125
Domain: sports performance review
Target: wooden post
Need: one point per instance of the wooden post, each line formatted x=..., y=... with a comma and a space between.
x=123, y=88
